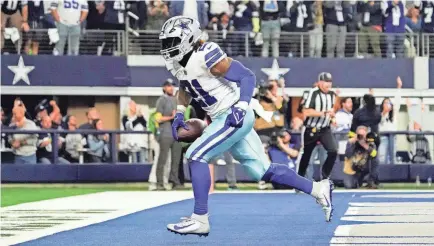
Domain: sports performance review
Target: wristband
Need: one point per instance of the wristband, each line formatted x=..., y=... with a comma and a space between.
x=180, y=109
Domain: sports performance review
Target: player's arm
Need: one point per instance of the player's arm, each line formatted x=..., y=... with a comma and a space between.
x=183, y=100
x=309, y=105
x=234, y=71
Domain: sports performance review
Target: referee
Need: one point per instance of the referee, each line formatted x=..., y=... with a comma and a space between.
x=319, y=110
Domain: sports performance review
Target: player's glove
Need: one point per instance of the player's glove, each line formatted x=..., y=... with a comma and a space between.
x=178, y=122
x=236, y=118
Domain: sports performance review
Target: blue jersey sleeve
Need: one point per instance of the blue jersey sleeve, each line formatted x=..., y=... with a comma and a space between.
x=213, y=54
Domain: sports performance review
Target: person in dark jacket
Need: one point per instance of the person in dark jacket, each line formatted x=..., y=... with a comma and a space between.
x=371, y=29
x=394, y=26
x=370, y=117
x=336, y=17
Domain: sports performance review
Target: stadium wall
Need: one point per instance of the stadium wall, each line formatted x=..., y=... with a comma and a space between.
x=42, y=173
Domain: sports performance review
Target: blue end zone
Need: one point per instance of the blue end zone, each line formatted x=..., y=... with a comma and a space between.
x=236, y=219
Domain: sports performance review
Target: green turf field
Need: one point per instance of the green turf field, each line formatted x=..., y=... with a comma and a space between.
x=12, y=194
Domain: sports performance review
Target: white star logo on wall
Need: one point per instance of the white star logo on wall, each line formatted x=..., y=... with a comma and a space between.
x=21, y=72
x=275, y=72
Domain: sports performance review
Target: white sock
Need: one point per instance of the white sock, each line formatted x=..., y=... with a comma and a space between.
x=201, y=218
x=316, y=189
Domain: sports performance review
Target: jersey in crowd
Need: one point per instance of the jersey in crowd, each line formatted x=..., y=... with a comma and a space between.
x=10, y=7
x=321, y=102
x=214, y=95
x=70, y=11
x=427, y=11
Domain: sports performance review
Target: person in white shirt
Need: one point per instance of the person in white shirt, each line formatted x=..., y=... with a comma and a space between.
x=389, y=111
x=344, y=119
x=69, y=15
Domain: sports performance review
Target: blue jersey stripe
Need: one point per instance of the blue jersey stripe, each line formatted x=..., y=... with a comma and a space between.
x=213, y=57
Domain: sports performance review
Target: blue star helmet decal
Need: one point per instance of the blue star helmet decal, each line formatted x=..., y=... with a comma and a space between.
x=184, y=25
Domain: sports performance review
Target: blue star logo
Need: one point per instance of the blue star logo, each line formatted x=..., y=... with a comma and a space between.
x=183, y=25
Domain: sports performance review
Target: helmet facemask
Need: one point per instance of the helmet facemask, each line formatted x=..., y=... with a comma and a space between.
x=175, y=48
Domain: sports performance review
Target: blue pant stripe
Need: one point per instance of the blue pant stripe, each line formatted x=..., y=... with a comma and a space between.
x=225, y=127
x=218, y=143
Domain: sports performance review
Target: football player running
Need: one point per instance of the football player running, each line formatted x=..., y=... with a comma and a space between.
x=223, y=87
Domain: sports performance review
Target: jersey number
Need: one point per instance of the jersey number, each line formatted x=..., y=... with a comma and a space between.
x=70, y=4
x=428, y=14
x=199, y=94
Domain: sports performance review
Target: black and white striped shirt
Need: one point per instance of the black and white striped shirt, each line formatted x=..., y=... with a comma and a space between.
x=321, y=102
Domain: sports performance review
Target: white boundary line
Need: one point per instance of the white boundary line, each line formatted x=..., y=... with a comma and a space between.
x=335, y=191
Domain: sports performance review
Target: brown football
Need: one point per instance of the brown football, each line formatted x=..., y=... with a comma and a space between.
x=195, y=130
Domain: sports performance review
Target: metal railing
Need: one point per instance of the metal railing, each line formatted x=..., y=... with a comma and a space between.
x=360, y=45
x=92, y=42
x=114, y=143
x=235, y=43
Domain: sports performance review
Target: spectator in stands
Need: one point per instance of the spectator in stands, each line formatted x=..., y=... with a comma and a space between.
x=23, y=145
x=114, y=14
x=360, y=159
x=158, y=13
x=166, y=108
x=69, y=16
x=92, y=114
x=420, y=149
x=336, y=17
x=344, y=117
x=98, y=144
x=413, y=23
x=245, y=19
x=413, y=20
x=133, y=120
x=34, y=12
x=316, y=33
x=343, y=120
x=389, y=111
x=371, y=28
x=300, y=18
x=394, y=27
x=272, y=102
x=45, y=148
x=222, y=24
x=270, y=13
x=11, y=14
x=192, y=8
x=6, y=155
x=74, y=142
x=217, y=7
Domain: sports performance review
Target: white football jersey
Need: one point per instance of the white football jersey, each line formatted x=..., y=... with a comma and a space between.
x=215, y=95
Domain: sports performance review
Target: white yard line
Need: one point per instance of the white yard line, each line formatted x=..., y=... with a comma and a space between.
x=392, y=222
x=87, y=209
x=335, y=191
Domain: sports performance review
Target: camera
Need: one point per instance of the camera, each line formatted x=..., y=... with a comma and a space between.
x=360, y=137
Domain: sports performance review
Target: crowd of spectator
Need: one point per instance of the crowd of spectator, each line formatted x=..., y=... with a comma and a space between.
x=38, y=146
x=320, y=22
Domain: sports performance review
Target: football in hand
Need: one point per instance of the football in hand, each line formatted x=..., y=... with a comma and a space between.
x=195, y=130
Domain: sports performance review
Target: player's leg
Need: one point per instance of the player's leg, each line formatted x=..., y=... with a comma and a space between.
x=216, y=139
x=249, y=152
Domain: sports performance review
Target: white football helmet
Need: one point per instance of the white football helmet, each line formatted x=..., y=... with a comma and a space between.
x=178, y=36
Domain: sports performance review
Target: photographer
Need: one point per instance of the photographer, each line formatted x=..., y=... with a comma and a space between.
x=272, y=102
x=360, y=159
x=282, y=151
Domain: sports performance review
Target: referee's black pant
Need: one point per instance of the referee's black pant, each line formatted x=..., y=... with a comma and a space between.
x=328, y=140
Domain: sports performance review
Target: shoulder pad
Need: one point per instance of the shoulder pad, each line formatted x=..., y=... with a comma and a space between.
x=213, y=54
